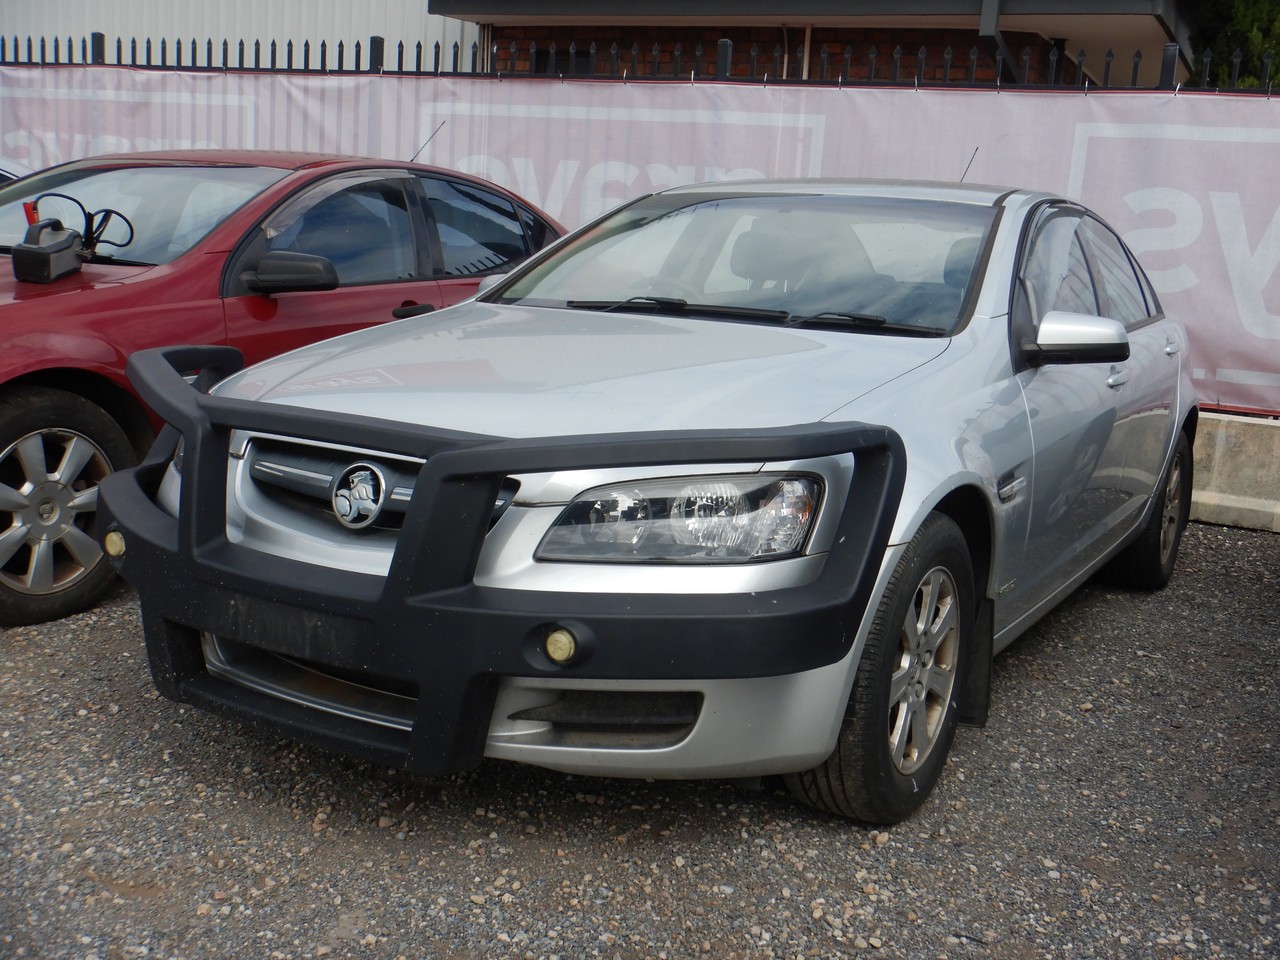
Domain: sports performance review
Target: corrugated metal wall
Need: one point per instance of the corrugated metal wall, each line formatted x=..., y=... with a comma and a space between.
x=331, y=21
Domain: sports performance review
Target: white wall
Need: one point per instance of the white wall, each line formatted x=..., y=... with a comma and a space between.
x=331, y=21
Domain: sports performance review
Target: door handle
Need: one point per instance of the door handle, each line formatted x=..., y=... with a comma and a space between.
x=412, y=310
x=1118, y=378
x=1172, y=348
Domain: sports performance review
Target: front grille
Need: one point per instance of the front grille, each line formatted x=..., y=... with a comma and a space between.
x=301, y=477
x=383, y=701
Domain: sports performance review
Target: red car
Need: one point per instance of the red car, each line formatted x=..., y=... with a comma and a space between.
x=262, y=251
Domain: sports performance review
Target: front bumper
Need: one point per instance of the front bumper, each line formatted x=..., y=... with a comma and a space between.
x=457, y=658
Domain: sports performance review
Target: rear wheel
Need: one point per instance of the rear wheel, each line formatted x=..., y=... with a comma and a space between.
x=1147, y=563
x=901, y=716
x=55, y=447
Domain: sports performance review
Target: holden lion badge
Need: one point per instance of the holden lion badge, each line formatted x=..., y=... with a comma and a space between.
x=357, y=496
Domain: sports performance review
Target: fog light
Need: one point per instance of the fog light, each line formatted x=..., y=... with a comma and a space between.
x=113, y=543
x=561, y=646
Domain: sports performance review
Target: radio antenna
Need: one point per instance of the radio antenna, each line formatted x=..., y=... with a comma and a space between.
x=429, y=139
x=962, y=176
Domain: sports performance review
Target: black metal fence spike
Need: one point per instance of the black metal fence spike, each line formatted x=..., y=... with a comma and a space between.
x=972, y=74
x=872, y=54
x=824, y=57
x=1236, y=59
x=1266, y=70
x=1080, y=78
x=946, y=64
x=922, y=57
x=1026, y=65
x=1137, y=65
x=1106, y=73
x=1206, y=62
x=897, y=64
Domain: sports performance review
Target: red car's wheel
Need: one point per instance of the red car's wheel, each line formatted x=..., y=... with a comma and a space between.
x=55, y=447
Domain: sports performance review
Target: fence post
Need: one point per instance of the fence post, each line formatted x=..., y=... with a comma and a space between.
x=97, y=48
x=1169, y=66
x=724, y=59
x=377, y=49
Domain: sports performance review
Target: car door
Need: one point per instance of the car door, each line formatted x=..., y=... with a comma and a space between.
x=1076, y=488
x=1147, y=396
x=371, y=226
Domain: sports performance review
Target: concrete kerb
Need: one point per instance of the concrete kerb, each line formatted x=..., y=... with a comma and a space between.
x=1237, y=472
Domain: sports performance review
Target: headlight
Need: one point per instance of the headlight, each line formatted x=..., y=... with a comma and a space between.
x=729, y=519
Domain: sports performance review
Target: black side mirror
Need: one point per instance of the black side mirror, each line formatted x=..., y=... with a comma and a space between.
x=284, y=271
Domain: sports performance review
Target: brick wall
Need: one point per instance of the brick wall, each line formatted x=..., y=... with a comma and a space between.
x=646, y=51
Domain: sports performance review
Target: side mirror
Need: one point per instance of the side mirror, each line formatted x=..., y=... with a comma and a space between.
x=1076, y=338
x=283, y=271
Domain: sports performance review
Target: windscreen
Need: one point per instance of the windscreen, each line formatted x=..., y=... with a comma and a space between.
x=161, y=211
x=904, y=261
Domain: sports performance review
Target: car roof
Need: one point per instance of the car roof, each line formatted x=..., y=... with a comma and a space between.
x=278, y=159
x=982, y=194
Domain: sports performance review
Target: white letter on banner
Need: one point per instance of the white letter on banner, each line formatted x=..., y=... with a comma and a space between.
x=1250, y=270
x=1188, y=220
x=490, y=168
x=737, y=173
x=661, y=176
x=594, y=201
x=527, y=184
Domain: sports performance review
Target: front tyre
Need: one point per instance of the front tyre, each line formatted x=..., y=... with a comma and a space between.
x=901, y=716
x=55, y=447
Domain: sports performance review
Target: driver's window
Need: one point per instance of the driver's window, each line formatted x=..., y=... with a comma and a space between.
x=1055, y=274
x=363, y=228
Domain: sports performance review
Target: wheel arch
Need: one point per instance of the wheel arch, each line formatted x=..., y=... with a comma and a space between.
x=969, y=508
x=1190, y=424
x=121, y=405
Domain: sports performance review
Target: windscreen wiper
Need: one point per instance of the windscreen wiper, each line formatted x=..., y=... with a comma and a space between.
x=864, y=321
x=678, y=307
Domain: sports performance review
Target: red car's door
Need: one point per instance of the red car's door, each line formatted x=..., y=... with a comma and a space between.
x=370, y=225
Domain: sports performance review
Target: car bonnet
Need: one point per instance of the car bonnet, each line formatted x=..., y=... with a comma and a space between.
x=516, y=371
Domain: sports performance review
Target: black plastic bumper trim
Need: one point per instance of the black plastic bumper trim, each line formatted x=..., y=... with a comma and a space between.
x=427, y=621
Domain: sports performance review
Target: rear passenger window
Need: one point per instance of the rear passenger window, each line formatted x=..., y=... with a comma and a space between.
x=480, y=232
x=1118, y=285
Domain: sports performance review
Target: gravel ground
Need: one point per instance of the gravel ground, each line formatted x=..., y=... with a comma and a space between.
x=1124, y=801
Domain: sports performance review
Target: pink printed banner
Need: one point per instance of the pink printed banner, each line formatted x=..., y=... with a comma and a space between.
x=1189, y=180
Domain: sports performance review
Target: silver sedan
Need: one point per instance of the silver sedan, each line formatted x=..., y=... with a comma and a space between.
x=743, y=479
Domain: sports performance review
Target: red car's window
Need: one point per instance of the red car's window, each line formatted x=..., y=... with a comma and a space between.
x=169, y=209
x=362, y=225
